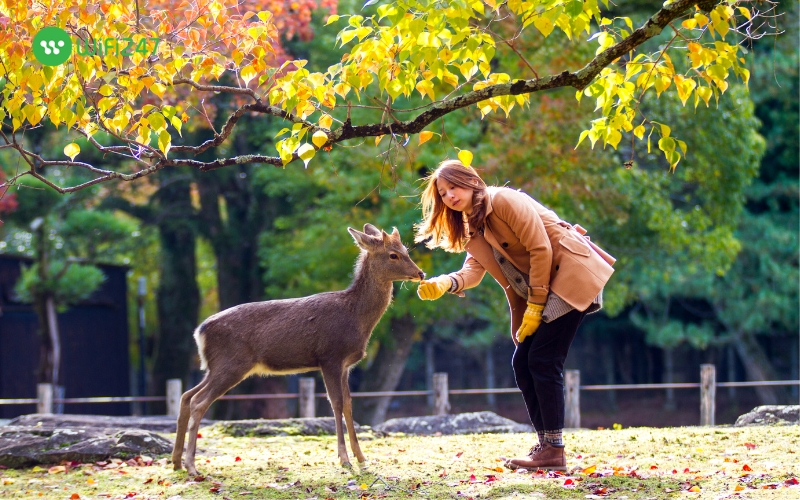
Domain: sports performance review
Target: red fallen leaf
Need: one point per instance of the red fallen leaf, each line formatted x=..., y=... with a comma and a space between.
x=199, y=435
x=600, y=491
x=458, y=455
x=750, y=446
x=686, y=470
x=579, y=456
x=237, y=459
x=472, y=478
x=215, y=489
x=770, y=486
x=199, y=479
x=746, y=467
x=674, y=471
x=444, y=473
x=791, y=481
x=490, y=478
x=569, y=482
x=74, y=496
x=148, y=481
x=653, y=467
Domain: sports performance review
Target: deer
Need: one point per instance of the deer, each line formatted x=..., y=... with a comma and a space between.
x=327, y=331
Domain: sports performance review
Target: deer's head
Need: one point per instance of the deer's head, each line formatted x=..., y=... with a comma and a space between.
x=388, y=257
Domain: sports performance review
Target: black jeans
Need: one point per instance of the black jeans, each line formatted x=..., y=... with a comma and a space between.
x=538, y=364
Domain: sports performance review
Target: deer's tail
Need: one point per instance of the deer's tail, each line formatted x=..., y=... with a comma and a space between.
x=200, y=340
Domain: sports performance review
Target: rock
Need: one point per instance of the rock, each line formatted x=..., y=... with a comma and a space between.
x=463, y=423
x=155, y=424
x=22, y=446
x=323, y=426
x=770, y=415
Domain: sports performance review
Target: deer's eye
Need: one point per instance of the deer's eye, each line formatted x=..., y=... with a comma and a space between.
x=393, y=256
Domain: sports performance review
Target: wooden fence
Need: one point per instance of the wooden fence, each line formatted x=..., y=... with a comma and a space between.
x=307, y=394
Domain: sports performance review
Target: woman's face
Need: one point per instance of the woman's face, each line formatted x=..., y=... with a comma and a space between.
x=454, y=197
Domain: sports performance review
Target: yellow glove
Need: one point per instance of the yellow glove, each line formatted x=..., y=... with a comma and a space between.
x=434, y=288
x=530, y=321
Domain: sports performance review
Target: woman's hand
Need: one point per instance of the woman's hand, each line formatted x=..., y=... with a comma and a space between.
x=530, y=321
x=434, y=288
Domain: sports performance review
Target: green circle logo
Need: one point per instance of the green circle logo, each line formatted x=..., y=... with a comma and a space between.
x=52, y=46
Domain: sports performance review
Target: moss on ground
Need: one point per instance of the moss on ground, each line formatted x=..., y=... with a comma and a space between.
x=646, y=463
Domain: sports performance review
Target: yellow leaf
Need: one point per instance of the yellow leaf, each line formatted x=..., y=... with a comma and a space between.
x=466, y=157
x=325, y=121
x=332, y=19
x=589, y=469
x=544, y=25
x=689, y=24
x=425, y=136
x=319, y=138
x=72, y=150
x=378, y=139
x=306, y=152
x=694, y=489
x=248, y=73
x=164, y=141
x=745, y=12
x=639, y=131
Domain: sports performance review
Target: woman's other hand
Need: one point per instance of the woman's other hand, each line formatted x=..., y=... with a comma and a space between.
x=434, y=288
x=530, y=321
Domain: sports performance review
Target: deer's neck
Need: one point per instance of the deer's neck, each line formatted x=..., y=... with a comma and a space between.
x=371, y=295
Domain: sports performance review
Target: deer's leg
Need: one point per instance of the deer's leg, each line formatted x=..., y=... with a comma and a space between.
x=348, y=418
x=333, y=384
x=217, y=385
x=183, y=421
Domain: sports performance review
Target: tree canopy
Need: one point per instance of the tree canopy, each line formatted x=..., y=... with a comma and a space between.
x=131, y=86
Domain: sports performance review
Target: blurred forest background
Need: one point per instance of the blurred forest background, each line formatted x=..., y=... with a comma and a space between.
x=707, y=268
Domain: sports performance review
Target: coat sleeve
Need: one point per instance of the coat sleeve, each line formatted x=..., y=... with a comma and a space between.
x=515, y=209
x=470, y=275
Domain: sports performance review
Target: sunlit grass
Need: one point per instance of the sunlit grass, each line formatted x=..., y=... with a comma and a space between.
x=687, y=462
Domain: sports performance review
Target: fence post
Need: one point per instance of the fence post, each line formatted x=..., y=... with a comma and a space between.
x=441, y=397
x=572, y=398
x=307, y=402
x=44, y=393
x=708, y=393
x=174, y=392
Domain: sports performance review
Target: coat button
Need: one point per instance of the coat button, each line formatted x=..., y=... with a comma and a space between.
x=502, y=260
x=505, y=245
x=519, y=280
x=556, y=267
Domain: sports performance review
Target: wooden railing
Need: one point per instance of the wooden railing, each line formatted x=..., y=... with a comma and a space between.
x=307, y=394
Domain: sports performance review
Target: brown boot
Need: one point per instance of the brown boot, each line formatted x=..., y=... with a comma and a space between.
x=546, y=457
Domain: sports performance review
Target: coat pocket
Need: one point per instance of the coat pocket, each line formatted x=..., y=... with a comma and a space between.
x=575, y=246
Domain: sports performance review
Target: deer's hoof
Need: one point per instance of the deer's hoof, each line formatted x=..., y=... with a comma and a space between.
x=347, y=465
x=177, y=465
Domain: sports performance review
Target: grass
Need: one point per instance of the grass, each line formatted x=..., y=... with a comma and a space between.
x=633, y=463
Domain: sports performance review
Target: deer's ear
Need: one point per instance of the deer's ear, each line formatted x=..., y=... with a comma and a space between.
x=371, y=230
x=395, y=234
x=365, y=241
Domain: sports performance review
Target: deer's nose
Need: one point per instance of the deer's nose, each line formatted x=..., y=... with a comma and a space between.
x=421, y=275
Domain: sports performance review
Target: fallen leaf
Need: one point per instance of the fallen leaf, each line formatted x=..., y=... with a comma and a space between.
x=750, y=446
x=56, y=469
x=458, y=455
x=199, y=435
x=694, y=489
x=74, y=496
x=791, y=481
x=739, y=487
x=589, y=469
x=746, y=467
x=237, y=459
x=653, y=467
x=569, y=482
x=148, y=480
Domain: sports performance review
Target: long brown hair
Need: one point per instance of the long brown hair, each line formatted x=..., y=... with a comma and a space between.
x=441, y=226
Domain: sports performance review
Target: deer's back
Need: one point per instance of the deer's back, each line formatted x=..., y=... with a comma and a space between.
x=285, y=336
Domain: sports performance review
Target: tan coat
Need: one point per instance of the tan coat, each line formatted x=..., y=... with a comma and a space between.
x=556, y=255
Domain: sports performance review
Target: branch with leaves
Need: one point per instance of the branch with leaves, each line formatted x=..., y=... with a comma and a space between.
x=138, y=104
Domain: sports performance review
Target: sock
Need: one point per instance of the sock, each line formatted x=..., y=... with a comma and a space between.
x=541, y=436
x=554, y=437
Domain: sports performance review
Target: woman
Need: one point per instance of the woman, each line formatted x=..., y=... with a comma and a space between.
x=552, y=276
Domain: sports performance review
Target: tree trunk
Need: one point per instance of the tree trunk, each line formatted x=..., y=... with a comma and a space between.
x=178, y=297
x=385, y=372
x=756, y=365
